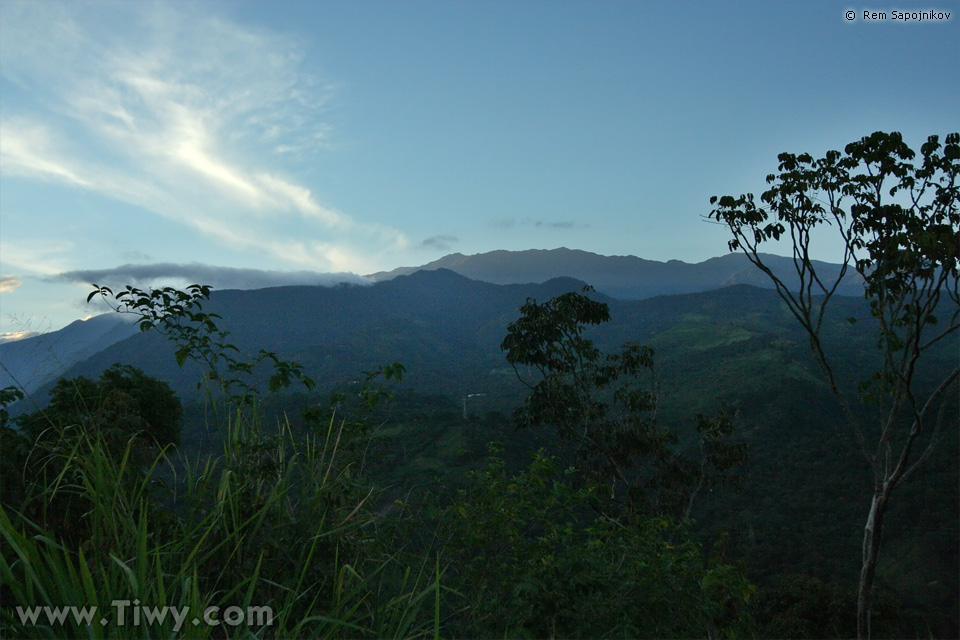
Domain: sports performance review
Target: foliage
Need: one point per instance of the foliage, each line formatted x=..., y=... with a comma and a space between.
x=122, y=404
x=131, y=415
x=533, y=560
x=179, y=315
x=8, y=395
x=525, y=547
x=801, y=606
x=359, y=405
x=277, y=519
x=294, y=537
x=550, y=551
x=899, y=226
x=605, y=406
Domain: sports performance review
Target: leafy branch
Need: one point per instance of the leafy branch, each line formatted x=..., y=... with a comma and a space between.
x=179, y=316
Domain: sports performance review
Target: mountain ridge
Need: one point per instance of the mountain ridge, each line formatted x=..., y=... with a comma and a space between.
x=624, y=277
x=32, y=362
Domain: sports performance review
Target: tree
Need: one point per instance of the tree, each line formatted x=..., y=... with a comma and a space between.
x=604, y=406
x=125, y=415
x=899, y=228
x=600, y=547
x=533, y=560
x=123, y=404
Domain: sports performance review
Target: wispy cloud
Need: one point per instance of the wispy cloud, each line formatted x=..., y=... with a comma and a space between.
x=440, y=242
x=151, y=275
x=27, y=151
x=187, y=115
x=45, y=257
x=511, y=222
x=9, y=283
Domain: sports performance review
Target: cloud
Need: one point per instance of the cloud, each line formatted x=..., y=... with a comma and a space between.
x=151, y=275
x=13, y=336
x=44, y=257
x=26, y=151
x=510, y=222
x=300, y=198
x=190, y=116
x=9, y=283
x=440, y=243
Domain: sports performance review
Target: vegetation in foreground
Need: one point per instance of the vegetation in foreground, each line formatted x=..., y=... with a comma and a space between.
x=98, y=508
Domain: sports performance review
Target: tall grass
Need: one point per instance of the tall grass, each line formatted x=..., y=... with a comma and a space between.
x=277, y=520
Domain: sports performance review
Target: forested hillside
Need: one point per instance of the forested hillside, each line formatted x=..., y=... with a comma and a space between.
x=796, y=513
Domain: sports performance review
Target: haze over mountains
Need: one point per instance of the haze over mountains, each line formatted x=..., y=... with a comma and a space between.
x=34, y=361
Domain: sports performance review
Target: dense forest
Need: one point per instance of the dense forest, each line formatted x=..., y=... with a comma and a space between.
x=436, y=456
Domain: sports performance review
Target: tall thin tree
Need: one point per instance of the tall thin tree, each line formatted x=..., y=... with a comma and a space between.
x=896, y=217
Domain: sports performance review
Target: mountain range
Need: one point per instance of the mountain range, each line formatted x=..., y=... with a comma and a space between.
x=32, y=362
x=622, y=277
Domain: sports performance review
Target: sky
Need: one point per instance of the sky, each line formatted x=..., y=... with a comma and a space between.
x=250, y=144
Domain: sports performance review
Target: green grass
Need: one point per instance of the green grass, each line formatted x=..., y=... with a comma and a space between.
x=274, y=521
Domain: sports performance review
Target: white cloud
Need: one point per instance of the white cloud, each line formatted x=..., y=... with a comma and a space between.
x=187, y=115
x=9, y=283
x=13, y=336
x=25, y=149
x=510, y=222
x=302, y=200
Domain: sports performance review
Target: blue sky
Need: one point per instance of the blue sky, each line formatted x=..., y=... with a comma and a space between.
x=273, y=142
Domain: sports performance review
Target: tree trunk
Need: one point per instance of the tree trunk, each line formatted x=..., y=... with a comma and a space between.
x=872, y=534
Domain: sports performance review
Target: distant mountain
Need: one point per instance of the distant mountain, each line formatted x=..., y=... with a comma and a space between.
x=623, y=277
x=444, y=327
x=32, y=362
x=404, y=319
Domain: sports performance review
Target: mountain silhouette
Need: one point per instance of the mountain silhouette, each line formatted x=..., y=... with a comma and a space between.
x=623, y=277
